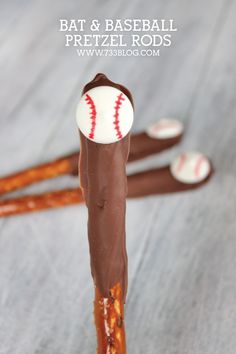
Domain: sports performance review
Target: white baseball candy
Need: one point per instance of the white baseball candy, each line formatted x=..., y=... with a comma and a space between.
x=190, y=167
x=104, y=114
x=165, y=128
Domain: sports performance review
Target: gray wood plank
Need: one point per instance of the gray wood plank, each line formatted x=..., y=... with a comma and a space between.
x=190, y=263
x=182, y=255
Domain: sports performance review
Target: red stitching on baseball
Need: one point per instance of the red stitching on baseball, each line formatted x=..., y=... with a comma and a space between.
x=116, y=122
x=181, y=162
x=199, y=162
x=160, y=126
x=93, y=115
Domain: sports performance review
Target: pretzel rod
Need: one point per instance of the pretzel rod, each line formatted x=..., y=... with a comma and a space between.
x=65, y=165
x=141, y=145
x=109, y=320
x=37, y=202
x=158, y=181
x=104, y=118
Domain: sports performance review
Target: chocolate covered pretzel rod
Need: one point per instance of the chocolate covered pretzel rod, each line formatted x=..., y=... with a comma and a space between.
x=186, y=172
x=104, y=118
x=158, y=137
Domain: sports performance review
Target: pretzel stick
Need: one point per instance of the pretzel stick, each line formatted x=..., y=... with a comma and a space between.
x=142, y=145
x=37, y=202
x=109, y=320
x=65, y=165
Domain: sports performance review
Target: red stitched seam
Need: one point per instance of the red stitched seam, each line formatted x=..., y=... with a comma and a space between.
x=200, y=160
x=163, y=126
x=181, y=162
x=93, y=115
x=116, y=122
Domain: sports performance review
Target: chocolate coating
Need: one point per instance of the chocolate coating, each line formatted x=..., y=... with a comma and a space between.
x=142, y=145
x=159, y=181
x=104, y=183
x=102, y=80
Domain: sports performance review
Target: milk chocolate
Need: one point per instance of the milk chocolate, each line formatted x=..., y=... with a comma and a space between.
x=159, y=181
x=142, y=145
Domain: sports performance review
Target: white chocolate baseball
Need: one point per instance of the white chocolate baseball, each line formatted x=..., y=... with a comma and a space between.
x=104, y=114
x=190, y=167
x=165, y=129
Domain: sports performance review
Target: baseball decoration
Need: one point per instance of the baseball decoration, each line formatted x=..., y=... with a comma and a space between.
x=104, y=114
x=165, y=129
x=191, y=167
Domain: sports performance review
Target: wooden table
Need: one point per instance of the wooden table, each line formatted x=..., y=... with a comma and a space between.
x=182, y=248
